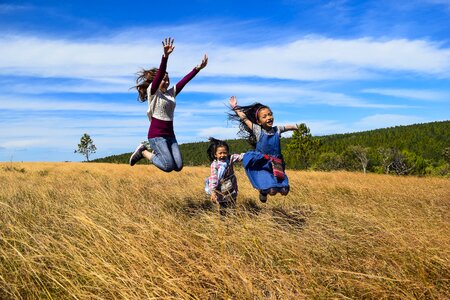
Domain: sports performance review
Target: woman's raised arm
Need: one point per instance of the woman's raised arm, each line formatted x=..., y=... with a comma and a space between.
x=168, y=48
x=180, y=85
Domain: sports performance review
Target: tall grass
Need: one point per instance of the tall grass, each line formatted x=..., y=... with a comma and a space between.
x=103, y=231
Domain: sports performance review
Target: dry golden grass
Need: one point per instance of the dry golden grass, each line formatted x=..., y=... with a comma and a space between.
x=104, y=231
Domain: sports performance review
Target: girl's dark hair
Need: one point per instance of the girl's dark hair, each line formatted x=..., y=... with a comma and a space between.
x=250, y=112
x=143, y=80
x=213, y=145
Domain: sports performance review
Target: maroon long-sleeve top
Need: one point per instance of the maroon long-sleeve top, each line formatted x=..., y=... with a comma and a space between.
x=162, y=105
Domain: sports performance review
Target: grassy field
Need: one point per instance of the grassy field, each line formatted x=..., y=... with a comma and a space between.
x=106, y=231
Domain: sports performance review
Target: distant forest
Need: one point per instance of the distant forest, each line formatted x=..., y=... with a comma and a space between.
x=417, y=149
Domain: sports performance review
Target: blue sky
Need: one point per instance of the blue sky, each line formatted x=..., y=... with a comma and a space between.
x=339, y=66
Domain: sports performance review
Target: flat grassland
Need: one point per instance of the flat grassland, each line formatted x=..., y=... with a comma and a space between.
x=106, y=231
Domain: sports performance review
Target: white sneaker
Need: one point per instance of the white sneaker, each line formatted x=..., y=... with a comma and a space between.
x=137, y=154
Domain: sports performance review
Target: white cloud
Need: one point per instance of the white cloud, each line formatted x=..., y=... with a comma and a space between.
x=9, y=8
x=282, y=93
x=325, y=127
x=247, y=93
x=24, y=143
x=387, y=120
x=309, y=58
x=446, y=3
x=218, y=132
x=46, y=104
x=95, y=85
x=415, y=94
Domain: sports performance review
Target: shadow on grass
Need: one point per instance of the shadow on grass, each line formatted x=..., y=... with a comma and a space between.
x=294, y=218
x=14, y=169
x=250, y=207
x=191, y=206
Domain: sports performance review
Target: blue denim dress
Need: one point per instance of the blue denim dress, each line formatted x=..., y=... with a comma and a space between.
x=259, y=169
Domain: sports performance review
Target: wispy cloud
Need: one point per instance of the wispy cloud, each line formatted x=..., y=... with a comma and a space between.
x=10, y=8
x=310, y=58
x=105, y=85
x=218, y=132
x=388, y=120
x=248, y=92
x=48, y=104
x=324, y=127
x=284, y=93
x=415, y=94
x=445, y=3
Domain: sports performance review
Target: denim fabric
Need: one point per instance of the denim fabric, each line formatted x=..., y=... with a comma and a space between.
x=269, y=144
x=166, y=154
x=259, y=169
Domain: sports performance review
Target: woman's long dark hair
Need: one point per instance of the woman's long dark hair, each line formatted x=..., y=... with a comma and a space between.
x=143, y=80
x=250, y=112
x=213, y=145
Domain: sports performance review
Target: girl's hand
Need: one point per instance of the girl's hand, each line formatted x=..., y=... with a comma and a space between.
x=240, y=113
x=233, y=101
x=213, y=196
x=168, y=46
x=203, y=63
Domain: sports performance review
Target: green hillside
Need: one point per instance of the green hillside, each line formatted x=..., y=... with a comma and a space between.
x=427, y=140
x=425, y=143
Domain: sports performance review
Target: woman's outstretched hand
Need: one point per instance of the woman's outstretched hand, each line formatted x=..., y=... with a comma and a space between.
x=233, y=101
x=203, y=63
x=168, y=46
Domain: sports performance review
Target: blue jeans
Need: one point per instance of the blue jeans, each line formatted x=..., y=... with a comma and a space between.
x=166, y=154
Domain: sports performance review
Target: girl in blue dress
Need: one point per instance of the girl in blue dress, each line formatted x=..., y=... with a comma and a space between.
x=264, y=166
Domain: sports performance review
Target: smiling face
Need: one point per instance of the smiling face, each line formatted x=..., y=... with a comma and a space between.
x=164, y=83
x=265, y=118
x=221, y=153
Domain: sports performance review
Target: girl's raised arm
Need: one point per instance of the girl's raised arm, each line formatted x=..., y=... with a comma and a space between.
x=242, y=116
x=290, y=127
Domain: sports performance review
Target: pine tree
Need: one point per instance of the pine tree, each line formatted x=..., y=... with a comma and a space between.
x=302, y=146
x=86, y=146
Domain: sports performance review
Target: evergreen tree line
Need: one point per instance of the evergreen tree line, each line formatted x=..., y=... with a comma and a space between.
x=418, y=149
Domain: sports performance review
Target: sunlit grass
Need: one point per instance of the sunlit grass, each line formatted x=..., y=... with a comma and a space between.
x=106, y=231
